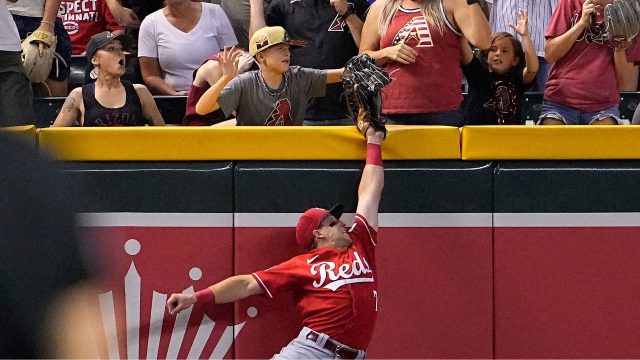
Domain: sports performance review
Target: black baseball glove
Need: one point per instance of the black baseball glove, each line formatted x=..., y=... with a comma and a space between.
x=363, y=81
x=622, y=20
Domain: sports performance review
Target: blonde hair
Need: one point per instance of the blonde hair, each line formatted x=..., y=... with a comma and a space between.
x=430, y=9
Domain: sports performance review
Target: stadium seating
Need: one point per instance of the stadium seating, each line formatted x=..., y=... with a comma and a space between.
x=173, y=108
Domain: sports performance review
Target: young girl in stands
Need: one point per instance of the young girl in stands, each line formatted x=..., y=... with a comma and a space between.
x=497, y=81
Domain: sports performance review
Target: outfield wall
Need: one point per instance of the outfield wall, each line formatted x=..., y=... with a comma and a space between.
x=477, y=258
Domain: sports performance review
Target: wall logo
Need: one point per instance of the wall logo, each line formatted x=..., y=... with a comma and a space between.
x=192, y=328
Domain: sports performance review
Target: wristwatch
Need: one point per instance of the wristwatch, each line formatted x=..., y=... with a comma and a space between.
x=347, y=13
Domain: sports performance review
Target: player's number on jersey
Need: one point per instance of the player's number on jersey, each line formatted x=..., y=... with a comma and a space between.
x=375, y=295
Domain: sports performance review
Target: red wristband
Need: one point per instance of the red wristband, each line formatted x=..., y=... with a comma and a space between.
x=205, y=296
x=374, y=154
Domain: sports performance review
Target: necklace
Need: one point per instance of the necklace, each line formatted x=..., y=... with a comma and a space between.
x=269, y=91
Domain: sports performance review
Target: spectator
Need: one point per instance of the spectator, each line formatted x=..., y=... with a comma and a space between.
x=418, y=43
x=583, y=62
x=274, y=95
x=16, y=98
x=497, y=83
x=32, y=15
x=109, y=101
x=205, y=77
x=331, y=30
x=504, y=12
x=83, y=19
x=175, y=40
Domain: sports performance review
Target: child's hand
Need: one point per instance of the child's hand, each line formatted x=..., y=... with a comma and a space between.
x=522, y=25
x=229, y=61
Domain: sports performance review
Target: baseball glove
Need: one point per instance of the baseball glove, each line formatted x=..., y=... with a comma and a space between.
x=38, y=50
x=363, y=81
x=622, y=21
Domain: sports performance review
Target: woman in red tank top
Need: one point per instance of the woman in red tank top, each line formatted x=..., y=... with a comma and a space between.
x=418, y=43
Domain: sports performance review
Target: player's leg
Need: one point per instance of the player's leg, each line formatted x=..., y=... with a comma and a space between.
x=303, y=348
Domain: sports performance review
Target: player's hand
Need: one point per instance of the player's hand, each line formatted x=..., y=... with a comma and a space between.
x=401, y=53
x=374, y=136
x=341, y=6
x=522, y=23
x=229, y=61
x=179, y=302
x=588, y=9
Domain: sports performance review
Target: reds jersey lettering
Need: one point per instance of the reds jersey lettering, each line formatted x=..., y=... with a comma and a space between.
x=344, y=275
x=281, y=114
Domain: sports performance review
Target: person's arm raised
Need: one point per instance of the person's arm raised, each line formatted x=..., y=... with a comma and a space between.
x=471, y=20
x=372, y=180
x=229, y=62
x=556, y=48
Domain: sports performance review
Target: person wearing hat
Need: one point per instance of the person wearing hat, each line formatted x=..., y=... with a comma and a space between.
x=109, y=101
x=276, y=94
x=334, y=281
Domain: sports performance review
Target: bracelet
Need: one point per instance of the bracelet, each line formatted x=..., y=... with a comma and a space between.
x=347, y=13
x=47, y=22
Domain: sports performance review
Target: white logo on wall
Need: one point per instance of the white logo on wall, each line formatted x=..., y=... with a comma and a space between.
x=133, y=282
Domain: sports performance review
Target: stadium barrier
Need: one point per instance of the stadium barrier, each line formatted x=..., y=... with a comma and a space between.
x=493, y=256
x=173, y=108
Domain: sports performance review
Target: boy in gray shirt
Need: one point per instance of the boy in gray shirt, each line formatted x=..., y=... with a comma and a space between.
x=275, y=95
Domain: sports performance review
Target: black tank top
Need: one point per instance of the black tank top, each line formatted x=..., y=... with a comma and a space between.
x=97, y=115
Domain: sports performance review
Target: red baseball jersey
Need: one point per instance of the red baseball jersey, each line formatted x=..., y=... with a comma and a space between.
x=336, y=290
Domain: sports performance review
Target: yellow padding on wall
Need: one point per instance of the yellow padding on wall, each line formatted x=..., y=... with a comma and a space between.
x=245, y=143
x=25, y=133
x=550, y=142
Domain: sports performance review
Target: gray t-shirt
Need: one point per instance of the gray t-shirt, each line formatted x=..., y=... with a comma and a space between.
x=256, y=105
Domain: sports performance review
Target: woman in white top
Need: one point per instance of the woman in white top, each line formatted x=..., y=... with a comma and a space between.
x=175, y=40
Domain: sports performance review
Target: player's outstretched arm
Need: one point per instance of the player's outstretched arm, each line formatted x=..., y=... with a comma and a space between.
x=372, y=180
x=228, y=290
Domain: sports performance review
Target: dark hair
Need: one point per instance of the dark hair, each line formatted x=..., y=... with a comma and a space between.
x=518, y=52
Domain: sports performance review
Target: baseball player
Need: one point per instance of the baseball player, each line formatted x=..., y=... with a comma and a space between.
x=334, y=281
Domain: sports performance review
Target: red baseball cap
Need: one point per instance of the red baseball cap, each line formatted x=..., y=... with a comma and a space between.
x=310, y=221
